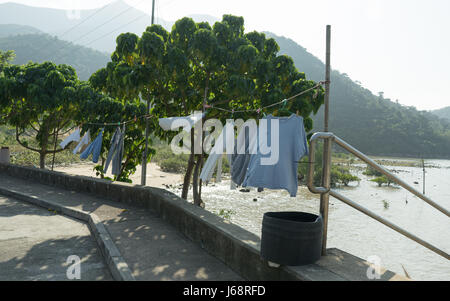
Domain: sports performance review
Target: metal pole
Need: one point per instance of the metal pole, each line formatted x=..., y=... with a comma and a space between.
x=145, y=157
x=327, y=78
x=326, y=162
x=382, y=170
x=153, y=12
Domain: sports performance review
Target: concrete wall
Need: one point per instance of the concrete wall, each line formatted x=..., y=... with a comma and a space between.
x=236, y=247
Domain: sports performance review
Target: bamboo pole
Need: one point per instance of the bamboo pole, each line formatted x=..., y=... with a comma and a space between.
x=326, y=167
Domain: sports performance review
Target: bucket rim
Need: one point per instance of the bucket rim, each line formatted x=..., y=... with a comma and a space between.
x=314, y=218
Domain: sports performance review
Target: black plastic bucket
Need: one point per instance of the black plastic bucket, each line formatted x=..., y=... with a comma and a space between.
x=291, y=238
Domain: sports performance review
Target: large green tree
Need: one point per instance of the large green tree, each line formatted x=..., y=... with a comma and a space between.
x=96, y=109
x=45, y=101
x=197, y=64
x=39, y=100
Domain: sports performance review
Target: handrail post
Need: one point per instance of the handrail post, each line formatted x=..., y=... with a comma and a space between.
x=326, y=162
x=325, y=191
x=325, y=197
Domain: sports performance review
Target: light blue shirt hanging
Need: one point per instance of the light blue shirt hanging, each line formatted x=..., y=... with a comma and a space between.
x=292, y=146
x=95, y=148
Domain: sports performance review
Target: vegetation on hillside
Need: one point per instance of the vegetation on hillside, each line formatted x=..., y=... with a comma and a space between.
x=43, y=47
x=443, y=113
x=371, y=123
x=16, y=29
x=5, y=59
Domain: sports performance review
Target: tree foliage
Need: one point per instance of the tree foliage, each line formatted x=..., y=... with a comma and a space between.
x=45, y=101
x=97, y=109
x=197, y=64
x=39, y=100
x=382, y=180
x=5, y=58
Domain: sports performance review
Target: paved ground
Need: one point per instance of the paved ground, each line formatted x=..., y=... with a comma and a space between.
x=153, y=249
x=35, y=245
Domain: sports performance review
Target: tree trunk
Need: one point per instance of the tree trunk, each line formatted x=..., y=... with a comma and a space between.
x=42, y=159
x=190, y=168
x=195, y=183
x=43, y=152
x=187, y=177
x=55, y=137
x=199, y=183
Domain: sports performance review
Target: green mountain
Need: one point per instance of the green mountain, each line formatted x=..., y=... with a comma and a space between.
x=442, y=113
x=14, y=29
x=372, y=124
x=95, y=28
x=43, y=47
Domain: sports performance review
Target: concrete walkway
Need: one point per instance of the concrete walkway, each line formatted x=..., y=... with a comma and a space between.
x=36, y=243
x=153, y=249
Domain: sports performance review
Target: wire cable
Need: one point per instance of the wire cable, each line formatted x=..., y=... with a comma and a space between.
x=107, y=34
x=269, y=106
x=103, y=24
x=72, y=28
x=210, y=106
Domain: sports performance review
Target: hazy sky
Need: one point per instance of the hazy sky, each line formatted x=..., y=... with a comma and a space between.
x=400, y=47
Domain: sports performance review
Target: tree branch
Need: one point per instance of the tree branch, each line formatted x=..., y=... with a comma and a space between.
x=22, y=144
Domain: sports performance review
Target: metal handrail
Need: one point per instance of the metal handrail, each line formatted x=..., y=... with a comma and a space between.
x=327, y=190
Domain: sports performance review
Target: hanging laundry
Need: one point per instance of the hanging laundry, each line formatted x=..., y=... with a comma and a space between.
x=292, y=144
x=75, y=136
x=225, y=138
x=84, y=141
x=244, y=148
x=173, y=123
x=115, y=153
x=95, y=148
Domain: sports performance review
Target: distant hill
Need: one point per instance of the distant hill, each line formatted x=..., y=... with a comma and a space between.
x=374, y=125
x=442, y=113
x=59, y=21
x=98, y=32
x=371, y=123
x=43, y=47
x=14, y=29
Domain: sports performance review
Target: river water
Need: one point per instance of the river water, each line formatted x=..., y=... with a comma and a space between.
x=354, y=232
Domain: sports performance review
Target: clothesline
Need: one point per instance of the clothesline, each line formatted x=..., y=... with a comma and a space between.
x=117, y=123
x=117, y=145
x=268, y=106
x=214, y=107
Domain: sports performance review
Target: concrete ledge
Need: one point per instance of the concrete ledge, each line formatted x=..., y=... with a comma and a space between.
x=236, y=247
x=116, y=264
